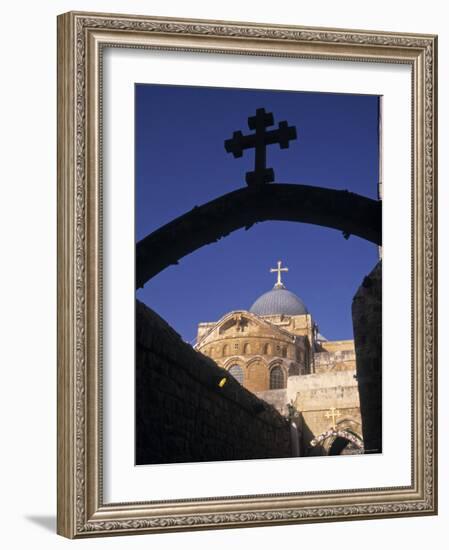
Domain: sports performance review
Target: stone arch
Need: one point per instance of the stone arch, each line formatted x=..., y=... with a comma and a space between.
x=344, y=442
x=256, y=358
x=350, y=424
x=277, y=361
x=235, y=360
x=344, y=438
x=341, y=210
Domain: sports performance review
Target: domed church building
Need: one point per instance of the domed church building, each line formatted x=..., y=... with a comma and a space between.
x=275, y=350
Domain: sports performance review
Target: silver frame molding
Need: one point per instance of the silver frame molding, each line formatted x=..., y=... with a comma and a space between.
x=81, y=37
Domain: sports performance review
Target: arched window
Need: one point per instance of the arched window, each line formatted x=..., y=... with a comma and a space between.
x=225, y=350
x=284, y=352
x=246, y=349
x=276, y=378
x=267, y=349
x=237, y=372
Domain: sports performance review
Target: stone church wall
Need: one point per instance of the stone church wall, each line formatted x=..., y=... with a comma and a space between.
x=324, y=390
x=338, y=361
x=182, y=415
x=277, y=398
x=338, y=345
x=313, y=396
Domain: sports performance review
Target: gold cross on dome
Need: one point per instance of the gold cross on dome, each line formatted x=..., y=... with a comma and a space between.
x=334, y=414
x=278, y=269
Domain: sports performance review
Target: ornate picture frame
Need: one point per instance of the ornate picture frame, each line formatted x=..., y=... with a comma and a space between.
x=82, y=40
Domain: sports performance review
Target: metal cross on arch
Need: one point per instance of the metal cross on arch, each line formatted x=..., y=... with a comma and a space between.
x=259, y=141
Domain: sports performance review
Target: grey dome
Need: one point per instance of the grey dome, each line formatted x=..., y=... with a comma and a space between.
x=278, y=301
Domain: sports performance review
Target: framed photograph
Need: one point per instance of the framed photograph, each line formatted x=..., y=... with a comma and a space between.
x=246, y=274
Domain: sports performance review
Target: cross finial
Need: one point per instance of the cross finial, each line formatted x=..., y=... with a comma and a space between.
x=259, y=141
x=334, y=414
x=279, y=270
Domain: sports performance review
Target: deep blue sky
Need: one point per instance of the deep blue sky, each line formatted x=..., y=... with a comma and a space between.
x=181, y=162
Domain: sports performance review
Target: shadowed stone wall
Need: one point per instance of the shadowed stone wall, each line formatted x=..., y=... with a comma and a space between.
x=367, y=321
x=182, y=415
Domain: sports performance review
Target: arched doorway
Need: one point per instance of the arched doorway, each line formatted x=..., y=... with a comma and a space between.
x=343, y=446
x=338, y=442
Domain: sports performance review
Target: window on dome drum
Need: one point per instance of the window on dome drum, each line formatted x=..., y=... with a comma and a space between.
x=246, y=349
x=237, y=372
x=225, y=349
x=276, y=378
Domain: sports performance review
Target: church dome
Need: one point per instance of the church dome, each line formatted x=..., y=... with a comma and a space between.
x=279, y=301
